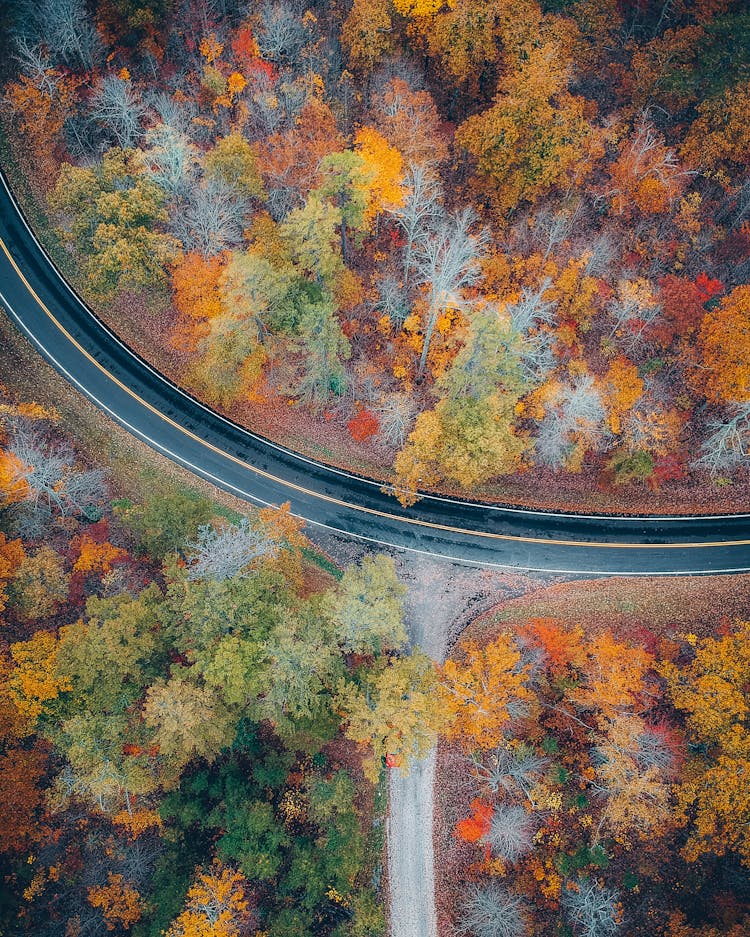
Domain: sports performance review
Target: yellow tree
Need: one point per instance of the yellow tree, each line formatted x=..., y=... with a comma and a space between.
x=483, y=691
x=714, y=796
x=724, y=348
x=392, y=710
x=384, y=169
x=217, y=905
x=466, y=441
x=366, y=34
x=34, y=681
x=622, y=388
x=537, y=135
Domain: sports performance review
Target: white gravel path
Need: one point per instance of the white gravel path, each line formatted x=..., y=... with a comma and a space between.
x=411, y=871
x=443, y=597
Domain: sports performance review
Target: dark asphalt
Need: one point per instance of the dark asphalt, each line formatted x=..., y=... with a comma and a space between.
x=169, y=420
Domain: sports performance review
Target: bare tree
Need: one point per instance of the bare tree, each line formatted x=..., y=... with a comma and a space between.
x=577, y=416
x=34, y=61
x=511, y=833
x=53, y=483
x=728, y=443
x=418, y=215
x=282, y=34
x=396, y=415
x=448, y=261
x=119, y=110
x=493, y=911
x=64, y=28
x=211, y=220
x=532, y=308
x=633, y=309
x=173, y=113
x=171, y=159
x=592, y=909
x=514, y=771
x=392, y=300
x=231, y=551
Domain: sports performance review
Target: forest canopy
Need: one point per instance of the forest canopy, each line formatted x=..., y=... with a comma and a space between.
x=466, y=238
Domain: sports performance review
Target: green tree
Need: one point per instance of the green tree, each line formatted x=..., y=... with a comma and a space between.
x=39, y=585
x=324, y=347
x=367, y=607
x=167, y=520
x=233, y=161
x=111, y=213
x=189, y=722
x=115, y=652
x=392, y=708
x=311, y=233
x=346, y=182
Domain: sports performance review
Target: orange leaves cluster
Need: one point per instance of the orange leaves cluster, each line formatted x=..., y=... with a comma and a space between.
x=623, y=387
x=94, y=556
x=475, y=827
x=137, y=822
x=560, y=647
x=646, y=174
x=11, y=555
x=22, y=767
x=478, y=692
x=118, y=900
x=724, y=347
x=197, y=296
x=409, y=120
x=293, y=158
x=216, y=906
x=363, y=425
x=13, y=487
x=41, y=114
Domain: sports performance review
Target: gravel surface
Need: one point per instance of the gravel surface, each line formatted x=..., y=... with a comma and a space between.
x=443, y=597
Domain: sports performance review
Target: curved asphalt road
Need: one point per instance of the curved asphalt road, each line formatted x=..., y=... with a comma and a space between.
x=92, y=358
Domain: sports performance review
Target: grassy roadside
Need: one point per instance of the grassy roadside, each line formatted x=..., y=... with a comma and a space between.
x=662, y=604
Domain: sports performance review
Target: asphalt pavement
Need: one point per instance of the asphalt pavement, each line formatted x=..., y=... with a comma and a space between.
x=88, y=354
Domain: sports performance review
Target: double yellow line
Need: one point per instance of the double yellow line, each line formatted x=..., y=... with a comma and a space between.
x=331, y=500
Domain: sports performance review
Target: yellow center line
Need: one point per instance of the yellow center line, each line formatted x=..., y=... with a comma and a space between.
x=329, y=498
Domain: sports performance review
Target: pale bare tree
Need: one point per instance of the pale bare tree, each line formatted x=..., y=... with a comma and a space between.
x=447, y=261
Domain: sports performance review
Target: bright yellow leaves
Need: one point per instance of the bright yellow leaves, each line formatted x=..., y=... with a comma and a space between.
x=417, y=7
x=384, y=167
x=216, y=906
x=34, y=680
x=623, y=388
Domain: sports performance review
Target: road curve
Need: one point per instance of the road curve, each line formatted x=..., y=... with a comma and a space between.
x=88, y=354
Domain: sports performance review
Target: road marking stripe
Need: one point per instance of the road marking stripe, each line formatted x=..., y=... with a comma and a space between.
x=288, y=484
x=426, y=495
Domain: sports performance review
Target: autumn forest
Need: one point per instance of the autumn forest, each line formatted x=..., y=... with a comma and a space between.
x=451, y=245
x=497, y=249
